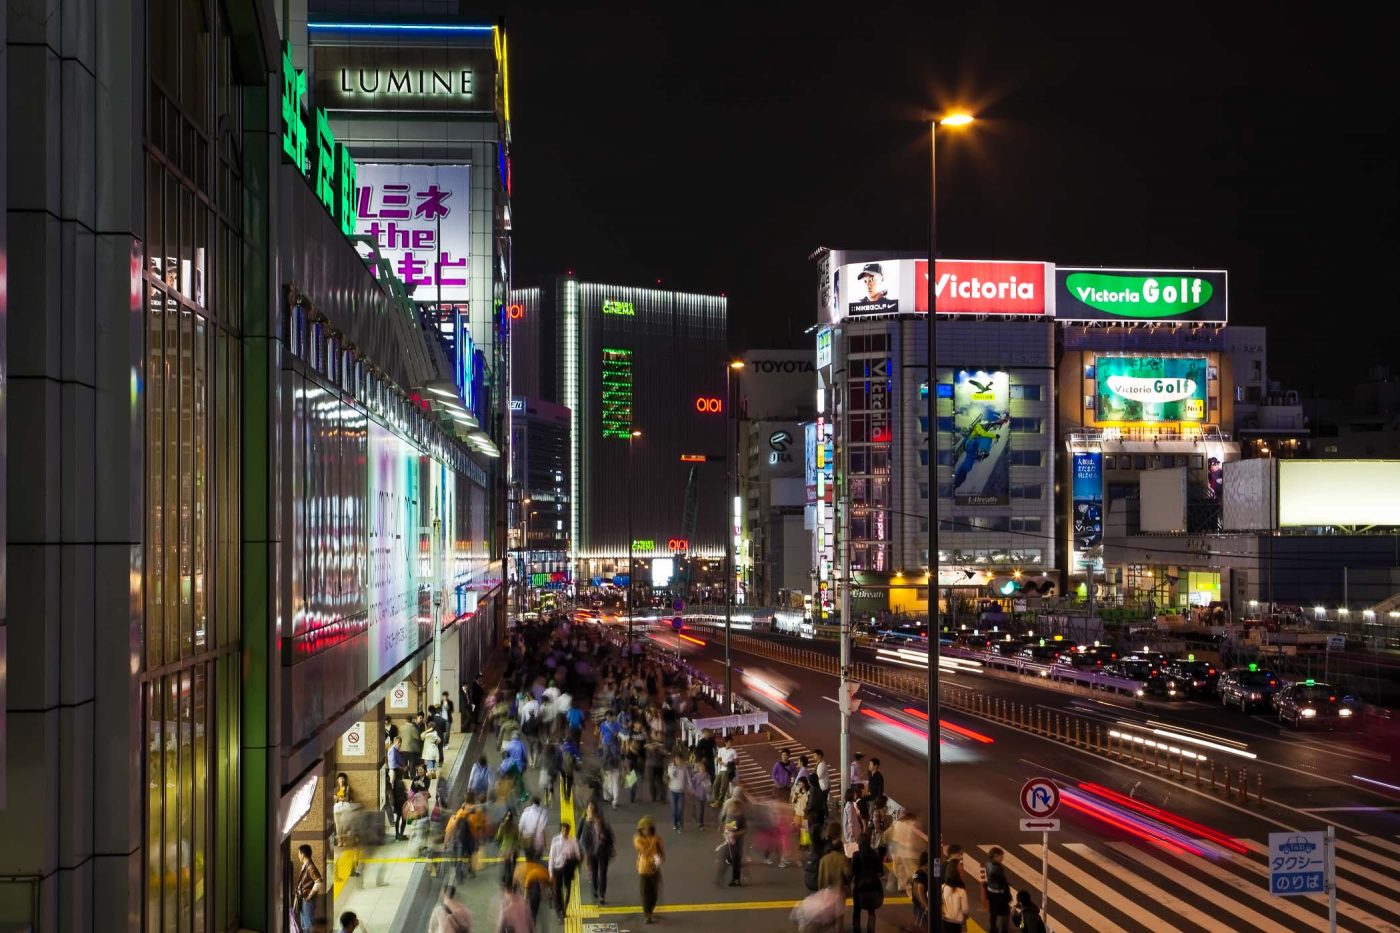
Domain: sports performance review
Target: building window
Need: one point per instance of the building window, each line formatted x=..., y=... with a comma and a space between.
x=1027, y=491
x=944, y=424
x=1026, y=425
x=1028, y=392
x=1025, y=523
x=1025, y=458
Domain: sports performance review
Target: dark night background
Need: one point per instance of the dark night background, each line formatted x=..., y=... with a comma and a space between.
x=714, y=146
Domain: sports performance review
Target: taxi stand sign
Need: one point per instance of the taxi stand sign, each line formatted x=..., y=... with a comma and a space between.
x=1304, y=863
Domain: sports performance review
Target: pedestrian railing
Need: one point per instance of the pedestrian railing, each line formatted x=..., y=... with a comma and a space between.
x=723, y=725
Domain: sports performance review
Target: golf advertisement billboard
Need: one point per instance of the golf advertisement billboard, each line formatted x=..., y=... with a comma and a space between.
x=1149, y=389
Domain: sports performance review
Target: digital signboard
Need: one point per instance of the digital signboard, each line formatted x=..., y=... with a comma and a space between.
x=1149, y=389
x=1141, y=295
x=981, y=438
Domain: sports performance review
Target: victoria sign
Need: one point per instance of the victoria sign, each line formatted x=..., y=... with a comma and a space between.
x=1194, y=296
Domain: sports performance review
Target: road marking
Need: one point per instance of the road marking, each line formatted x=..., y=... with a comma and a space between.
x=1108, y=895
x=1391, y=864
x=1059, y=897
x=1346, y=809
x=1139, y=884
x=610, y=910
x=1253, y=919
x=1383, y=843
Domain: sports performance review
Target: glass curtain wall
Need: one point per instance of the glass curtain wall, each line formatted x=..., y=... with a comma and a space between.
x=190, y=666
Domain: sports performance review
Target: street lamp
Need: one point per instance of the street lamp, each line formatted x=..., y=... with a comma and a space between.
x=731, y=475
x=935, y=829
x=635, y=433
x=522, y=565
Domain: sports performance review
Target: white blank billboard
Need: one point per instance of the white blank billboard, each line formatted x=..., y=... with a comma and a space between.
x=1338, y=492
x=1163, y=500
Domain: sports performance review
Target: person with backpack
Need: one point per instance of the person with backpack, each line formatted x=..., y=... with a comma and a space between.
x=996, y=890
x=596, y=840
x=1027, y=915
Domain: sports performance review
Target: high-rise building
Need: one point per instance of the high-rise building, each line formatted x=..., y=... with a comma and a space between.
x=993, y=386
x=540, y=467
x=775, y=396
x=625, y=358
x=260, y=488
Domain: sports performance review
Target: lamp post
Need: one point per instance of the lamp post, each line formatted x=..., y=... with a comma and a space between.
x=631, y=438
x=528, y=564
x=935, y=828
x=731, y=473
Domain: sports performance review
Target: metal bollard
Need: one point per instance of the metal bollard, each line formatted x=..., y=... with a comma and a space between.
x=1259, y=786
x=1198, y=770
x=1244, y=786
x=1227, y=782
x=1098, y=739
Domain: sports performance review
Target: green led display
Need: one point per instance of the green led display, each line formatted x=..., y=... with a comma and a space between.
x=624, y=308
x=617, y=392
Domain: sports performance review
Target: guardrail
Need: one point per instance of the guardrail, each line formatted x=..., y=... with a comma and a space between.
x=746, y=722
x=1056, y=672
x=1138, y=747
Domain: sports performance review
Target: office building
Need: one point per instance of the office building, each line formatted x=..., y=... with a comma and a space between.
x=626, y=358
x=994, y=380
x=540, y=467
x=774, y=392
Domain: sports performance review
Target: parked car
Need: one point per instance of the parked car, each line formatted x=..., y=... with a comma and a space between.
x=1146, y=672
x=1308, y=703
x=1248, y=688
x=1194, y=678
x=1040, y=654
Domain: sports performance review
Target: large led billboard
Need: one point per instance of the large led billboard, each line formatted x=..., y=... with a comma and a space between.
x=981, y=438
x=1086, y=489
x=1194, y=296
x=420, y=215
x=1338, y=492
x=1149, y=389
x=961, y=286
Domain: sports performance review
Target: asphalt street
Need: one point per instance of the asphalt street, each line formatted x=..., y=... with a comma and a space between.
x=1111, y=868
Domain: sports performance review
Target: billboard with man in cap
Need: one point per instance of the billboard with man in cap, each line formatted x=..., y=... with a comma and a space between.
x=873, y=293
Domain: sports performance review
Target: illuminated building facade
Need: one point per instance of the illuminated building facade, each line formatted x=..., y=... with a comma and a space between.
x=624, y=358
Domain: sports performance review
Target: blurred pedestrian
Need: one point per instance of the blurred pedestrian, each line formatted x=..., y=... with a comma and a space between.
x=677, y=777
x=783, y=771
x=734, y=823
x=955, y=906
x=918, y=892
x=596, y=840
x=867, y=883
x=996, y=892
x=651, y=854
x=564, y=858
x=1027, y=914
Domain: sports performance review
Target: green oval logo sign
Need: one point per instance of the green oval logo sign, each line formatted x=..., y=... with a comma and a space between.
x=1138, y=295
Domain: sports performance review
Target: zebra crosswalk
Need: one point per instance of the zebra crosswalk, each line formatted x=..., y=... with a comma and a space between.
x=1123, y=887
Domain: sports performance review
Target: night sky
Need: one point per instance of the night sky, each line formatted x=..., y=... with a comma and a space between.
x=715, y=146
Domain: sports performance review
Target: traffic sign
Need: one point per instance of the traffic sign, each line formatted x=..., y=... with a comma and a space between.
x=677, y=624
x=1040, y=798
x=678, y=604
x=1040, y=826
x=1336, y=643
x=1297, y=863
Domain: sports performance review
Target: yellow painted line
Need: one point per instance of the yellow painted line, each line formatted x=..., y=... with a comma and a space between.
x=722, y=905
x=424, y=860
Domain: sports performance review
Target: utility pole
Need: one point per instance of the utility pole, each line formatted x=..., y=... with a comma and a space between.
x=843, y=576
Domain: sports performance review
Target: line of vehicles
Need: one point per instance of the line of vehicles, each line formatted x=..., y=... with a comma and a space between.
x=1300, y=704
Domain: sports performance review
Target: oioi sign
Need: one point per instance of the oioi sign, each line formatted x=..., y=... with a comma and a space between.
x=1191, y=296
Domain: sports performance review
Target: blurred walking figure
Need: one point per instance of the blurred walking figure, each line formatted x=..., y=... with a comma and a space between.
x=651, y=854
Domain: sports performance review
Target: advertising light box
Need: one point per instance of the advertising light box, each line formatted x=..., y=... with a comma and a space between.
x=1149, y=389
x=420, y=215
x=981, y=438
x=1194, y=296
x=961, y=286
x=1338, y=492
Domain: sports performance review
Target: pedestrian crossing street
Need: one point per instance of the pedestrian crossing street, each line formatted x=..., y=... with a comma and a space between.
x=1123, y=887
x=754, y=765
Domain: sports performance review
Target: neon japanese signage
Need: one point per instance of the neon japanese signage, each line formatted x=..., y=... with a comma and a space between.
x=708, y=405
x=622, y=308
x=335, y=171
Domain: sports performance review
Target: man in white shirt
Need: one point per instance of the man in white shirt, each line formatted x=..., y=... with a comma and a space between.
x=823, y=774
x=534, y=823
x=856, y=777
x=725, y=767
x=564, y=856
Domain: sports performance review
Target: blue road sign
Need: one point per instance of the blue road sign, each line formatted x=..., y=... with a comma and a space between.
x=1297, y=863
x=677, y=623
